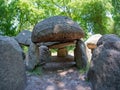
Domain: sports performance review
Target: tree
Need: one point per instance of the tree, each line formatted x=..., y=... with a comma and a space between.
x=91, y=15
x=116, y=16
x=18, y=15
x=6, y=18
x=94, y=14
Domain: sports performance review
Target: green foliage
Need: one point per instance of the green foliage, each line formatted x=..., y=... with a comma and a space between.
x=85, y=70
x=25, y=49
x=36, y=71
x=116, y=16
x=70, y=48
x=6, y=18
x=96, y=16
x=53, y=50
x=27, y=14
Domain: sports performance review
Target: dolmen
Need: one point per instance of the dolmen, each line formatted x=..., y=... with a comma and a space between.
x=61, y=31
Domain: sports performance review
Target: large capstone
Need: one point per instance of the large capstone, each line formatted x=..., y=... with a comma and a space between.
x=104, y=72
x=56, y=28
x=12, y=70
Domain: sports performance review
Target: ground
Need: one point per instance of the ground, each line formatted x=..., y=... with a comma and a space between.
x=58, y=75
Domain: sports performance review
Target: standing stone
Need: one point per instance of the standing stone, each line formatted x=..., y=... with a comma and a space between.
x=80, y=56
x=104, y=72
x=33, y=57
x=62, y=52
x=44, y=56
x=12, y=70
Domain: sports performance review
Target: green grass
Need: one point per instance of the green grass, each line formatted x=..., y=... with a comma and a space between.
x=84, y=70
x=37, y=71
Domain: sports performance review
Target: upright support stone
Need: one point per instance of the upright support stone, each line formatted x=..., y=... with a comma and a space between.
x=44, y=54
x=62, y=52
x=80, y=56
x=33, y=56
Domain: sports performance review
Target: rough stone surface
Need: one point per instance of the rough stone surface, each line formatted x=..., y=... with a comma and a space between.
x=24, y=37
x=91, y=43
x=80, y=56
x=56, y=44
x=33, y=57
x=104, y=72
x=12, y=70
x=45, y=54
x=57, y=28
x=61, y=45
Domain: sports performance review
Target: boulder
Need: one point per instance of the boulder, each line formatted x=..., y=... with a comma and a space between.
x=56, y=28
x=45, y=55
x=32, y=58
x=12, y=69
x=91, y=44
x=80, y=56
x=24, y=38
x=104, y=72
x=93, y=39
x=37, y=56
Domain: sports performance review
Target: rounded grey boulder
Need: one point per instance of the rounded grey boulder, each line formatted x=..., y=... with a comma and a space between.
x=12, y=70
x=104, y=72
x=56, y=28
x=24, y=38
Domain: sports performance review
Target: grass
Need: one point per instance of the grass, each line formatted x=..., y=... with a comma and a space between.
x=84, y=70
x=37, y=71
